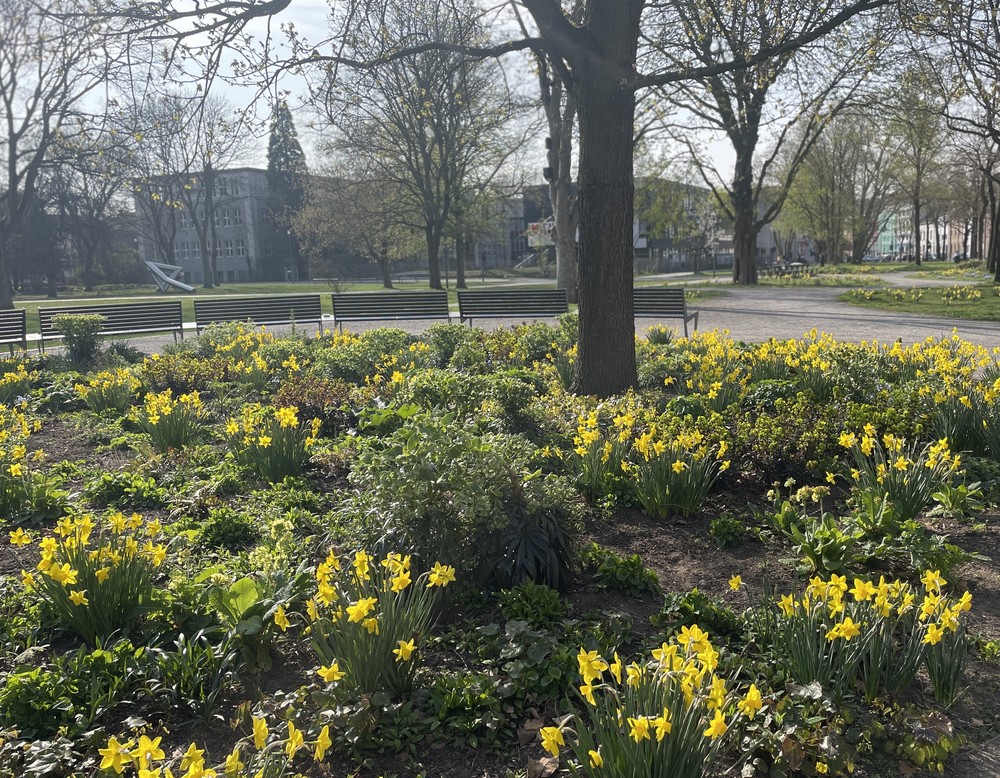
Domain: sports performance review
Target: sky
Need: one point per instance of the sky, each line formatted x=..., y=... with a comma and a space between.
x=309, y=19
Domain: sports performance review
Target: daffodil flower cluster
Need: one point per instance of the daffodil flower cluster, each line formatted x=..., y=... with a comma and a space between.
x=15, y=462
x=98, y=577
x=666, y=472
x=171, y=423
x=272, y=442
x=840, y=631
x=666, y=716
x=674, y=474
x=15, y=381
x=273, y=752
x=110, y=391
x=907, y=474
x=369, y=616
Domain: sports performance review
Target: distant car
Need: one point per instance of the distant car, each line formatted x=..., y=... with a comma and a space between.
x=870, y=258
x=958, y=257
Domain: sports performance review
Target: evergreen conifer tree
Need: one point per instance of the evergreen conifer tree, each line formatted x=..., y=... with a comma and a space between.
x=286, y=179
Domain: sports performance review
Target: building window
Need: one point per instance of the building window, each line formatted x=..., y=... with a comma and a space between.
x=230, y=275
x=218, y=248
x=196, y=250
x=184, y=220
x=238, y=217
x=241, y=249
x=265, y=216
x=177, y=252
x=186, y=250
x=227, y=218
x=265, y=246
x=229, y=248
x=215, y=219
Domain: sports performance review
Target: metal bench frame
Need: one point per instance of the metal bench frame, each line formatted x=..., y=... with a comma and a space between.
x=270, y=309
x=511, y=303
x=14, y=328
x=389, y=306
x=661, y=303
x=120, y=318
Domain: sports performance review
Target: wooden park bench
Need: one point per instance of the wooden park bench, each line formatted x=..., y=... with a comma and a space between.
x=511, y=303
x=119, y=318
x=270, y=309
x=662, y=303
x=14, y=328
x=389, y=306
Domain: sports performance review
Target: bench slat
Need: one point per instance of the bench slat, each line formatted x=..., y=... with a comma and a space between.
x=273, y=309
x=14, y=328
x=376, y=306
x=120, y=318
x=505, y=303
x=662, y=303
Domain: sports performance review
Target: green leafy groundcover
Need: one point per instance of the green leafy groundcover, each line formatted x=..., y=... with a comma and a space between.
x=347, y=554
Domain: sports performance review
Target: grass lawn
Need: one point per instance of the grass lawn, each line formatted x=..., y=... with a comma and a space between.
x=979, y=302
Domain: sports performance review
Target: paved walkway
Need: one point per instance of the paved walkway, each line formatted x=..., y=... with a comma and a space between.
x=755, y=314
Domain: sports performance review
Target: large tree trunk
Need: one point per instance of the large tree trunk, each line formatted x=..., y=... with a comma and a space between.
x=560, y=157
x=433, y=256
x=606, y=361
x=744, y=236
x=464, y=246
x=917, y=246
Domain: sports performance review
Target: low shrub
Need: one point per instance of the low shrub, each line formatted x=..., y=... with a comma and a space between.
x=82, y=335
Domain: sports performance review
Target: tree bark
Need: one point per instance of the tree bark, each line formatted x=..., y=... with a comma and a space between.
x=917, y=246
x=464, y=246
x=606, y=361
x=433, y=256
x=744, y=234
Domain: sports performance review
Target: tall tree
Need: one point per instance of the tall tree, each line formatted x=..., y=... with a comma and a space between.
x=49, y=65
x=287, y=179
x=347, y=212
x=790, y=97
x=917, y=123
x=844, y=192
x=598, y=57
x=971, y=29
x=187, y=144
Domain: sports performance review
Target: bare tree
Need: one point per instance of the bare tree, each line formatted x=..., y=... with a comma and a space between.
x=187, y=142
x=347, y=212
x=917, y=123
x=791, y=98
x=49, y=64
x=428, y=124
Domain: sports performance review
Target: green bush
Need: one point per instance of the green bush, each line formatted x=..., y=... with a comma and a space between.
x=82, y=334
x=539, y=605
x=618, y=573
x=448, y=493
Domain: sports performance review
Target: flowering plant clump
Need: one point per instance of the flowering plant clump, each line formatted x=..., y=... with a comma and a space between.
x=170, y=423
x=906, y=475
x=666, y=717
x=16, y=478
x=110, y=391
x=273, y=443
x=674, y=474
x=877, y=633
x=15, y=381
x=370, y=617
x=98, y=579
x=599, y=455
